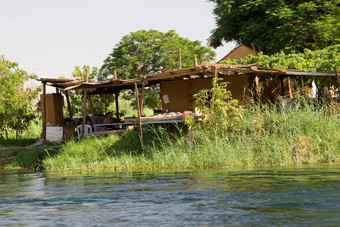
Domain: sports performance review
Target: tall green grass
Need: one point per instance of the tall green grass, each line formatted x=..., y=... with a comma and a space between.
x=265, y=135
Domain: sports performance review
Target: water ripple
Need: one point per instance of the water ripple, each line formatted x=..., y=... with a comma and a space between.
x=247, y=196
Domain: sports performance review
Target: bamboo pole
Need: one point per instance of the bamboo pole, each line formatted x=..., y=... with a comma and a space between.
x=117, y=105
x=195, y=61
x=139, y=117
x=44, y=111
x=213, y=100
x=256, y=87
x=213, y=91
x=115, y=74
x=68, y=105
x=179, y=59
x=282, y=86
x=142, y=97
x=290, y=88
x=337, y=76
x=92, y=112
x=84, y=104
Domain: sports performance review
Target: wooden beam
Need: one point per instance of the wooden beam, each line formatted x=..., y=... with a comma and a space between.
x=86, y=89
x=58, y=79
x=117, y=106
x=139, y=117
x=84, y=104
x=68, y=104
x=72, y=87
x=44, y=111
x=92, y=112
x=66, y=84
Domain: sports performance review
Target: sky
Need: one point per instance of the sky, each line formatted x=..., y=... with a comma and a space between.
x=50, y=37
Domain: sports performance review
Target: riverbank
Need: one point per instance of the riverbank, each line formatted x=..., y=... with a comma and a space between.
x=264, y=136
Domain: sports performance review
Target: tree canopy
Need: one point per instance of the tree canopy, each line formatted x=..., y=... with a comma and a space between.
x=314, y=61
x=16, y=100
x=272, y=26
x=323, y=60
x=144, y=52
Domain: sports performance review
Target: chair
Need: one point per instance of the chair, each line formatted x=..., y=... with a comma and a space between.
x=88, y=130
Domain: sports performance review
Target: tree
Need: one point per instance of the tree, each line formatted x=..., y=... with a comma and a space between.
x=16, y=101
x=144, y=52
x=272, y=26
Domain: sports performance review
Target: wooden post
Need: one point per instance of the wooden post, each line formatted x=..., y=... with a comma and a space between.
x=142, y=97
x=92, y=112
x=282, y=86
x=256, y=88
x=44, y=111
x=195, y=61
x=213, y=91
x=84, y=104
x=57, y=90
x=179, y=59
x=115, y=74
x=337, y=76
x=290, y=88
x=139, y=117
x=68, y=105
x=117, y=106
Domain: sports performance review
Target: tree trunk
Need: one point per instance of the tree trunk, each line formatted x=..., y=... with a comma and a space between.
x=6, y=131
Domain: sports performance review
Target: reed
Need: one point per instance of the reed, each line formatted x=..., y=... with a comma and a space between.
x=264, y=135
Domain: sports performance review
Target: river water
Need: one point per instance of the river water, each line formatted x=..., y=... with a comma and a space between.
x=223, y=197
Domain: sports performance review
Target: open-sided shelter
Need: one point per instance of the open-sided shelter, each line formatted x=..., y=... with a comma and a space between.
x=177, y=87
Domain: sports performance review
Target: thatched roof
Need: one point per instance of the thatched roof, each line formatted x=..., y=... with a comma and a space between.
x=204, y=70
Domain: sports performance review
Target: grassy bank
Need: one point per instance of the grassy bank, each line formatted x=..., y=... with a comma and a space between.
x=26, y=157
x=265, y=135
x=28, y=137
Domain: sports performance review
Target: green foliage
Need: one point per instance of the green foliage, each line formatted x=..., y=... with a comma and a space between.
x=272, y=26
x=29, y=136
x=217, y=105
x=16, y=101
x=314, y=61
x=27, y=158
x=144, y=52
